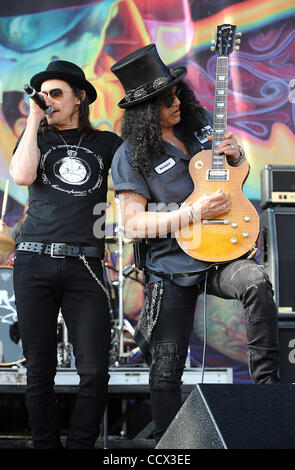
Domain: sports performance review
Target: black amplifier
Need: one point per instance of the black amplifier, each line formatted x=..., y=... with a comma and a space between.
x=277, y=185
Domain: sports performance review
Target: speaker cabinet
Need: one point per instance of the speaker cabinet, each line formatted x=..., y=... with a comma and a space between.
x=278, y=255
x=233, y=416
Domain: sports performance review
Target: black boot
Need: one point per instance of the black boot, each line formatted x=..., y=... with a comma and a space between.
x=165, y=405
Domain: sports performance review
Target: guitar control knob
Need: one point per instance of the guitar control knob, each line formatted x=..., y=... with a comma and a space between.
x=234, y=240
x=234, y=224
x=245, y=234
x=247, y=218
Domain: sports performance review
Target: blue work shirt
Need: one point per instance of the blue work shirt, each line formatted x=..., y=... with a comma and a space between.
x=169, y=182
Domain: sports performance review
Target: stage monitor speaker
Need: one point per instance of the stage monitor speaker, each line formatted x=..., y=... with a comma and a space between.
x=277, y=235
x=234, y=416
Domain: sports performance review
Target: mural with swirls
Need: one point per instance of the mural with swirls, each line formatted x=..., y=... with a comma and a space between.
x=97, y=34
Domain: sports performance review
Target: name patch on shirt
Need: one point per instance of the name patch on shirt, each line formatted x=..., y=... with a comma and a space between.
x=165, y=166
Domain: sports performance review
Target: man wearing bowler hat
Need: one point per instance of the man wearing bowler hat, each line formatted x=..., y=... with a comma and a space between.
x=58, y=265
x=163, y=127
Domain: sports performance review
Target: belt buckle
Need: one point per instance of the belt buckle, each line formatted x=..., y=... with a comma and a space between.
x=53, y=248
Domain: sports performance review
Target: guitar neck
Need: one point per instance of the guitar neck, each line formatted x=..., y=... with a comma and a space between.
x=220, y=110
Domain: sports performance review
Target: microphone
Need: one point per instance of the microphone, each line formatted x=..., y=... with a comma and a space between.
x=32, y=93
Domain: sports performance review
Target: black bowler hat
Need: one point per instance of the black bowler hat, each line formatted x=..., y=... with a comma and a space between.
x=144, y=75
x=67, y=71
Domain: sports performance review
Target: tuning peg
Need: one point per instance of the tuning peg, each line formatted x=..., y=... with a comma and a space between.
x=213, y=41
x=238, y=41
x=239, y=34
x=237, y=48
x=212, y=48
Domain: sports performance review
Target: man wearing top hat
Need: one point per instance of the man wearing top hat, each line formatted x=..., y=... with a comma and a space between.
x=58, y=265
x=163, y=127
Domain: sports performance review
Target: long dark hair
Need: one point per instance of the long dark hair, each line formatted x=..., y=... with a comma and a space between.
x=85, y=126
x=142, y=129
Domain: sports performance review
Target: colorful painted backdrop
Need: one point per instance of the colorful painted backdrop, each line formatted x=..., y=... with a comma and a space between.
x=97, y=34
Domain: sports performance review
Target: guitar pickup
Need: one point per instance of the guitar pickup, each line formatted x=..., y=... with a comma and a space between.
x=218, y=175
x=215, y=221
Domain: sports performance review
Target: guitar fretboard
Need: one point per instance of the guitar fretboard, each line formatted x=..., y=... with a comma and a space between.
x=220, y=110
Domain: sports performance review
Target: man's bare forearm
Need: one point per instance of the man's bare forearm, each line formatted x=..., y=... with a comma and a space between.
x=25, y=161
x=141, y=224
x=157, y=224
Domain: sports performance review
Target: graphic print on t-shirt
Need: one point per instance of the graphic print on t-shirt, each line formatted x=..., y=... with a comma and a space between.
x=72, y=170
x=65, y=173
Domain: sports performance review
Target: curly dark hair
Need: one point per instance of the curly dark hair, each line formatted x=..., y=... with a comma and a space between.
x=142, y=129
x=85, y=126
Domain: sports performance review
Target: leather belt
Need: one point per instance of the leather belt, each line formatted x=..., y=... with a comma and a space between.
x=171, y=276
x=61, y=250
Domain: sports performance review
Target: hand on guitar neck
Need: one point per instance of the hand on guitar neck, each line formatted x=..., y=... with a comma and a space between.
x=229, y=146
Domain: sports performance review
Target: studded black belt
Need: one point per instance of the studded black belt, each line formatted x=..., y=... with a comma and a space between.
x=61, y=250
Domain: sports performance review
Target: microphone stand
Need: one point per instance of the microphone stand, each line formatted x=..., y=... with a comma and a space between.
x=120, y=234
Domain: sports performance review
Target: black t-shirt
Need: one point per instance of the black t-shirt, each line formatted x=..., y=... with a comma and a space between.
x=71, y=181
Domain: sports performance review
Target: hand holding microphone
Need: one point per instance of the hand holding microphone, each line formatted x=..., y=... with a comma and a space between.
x=32, y=93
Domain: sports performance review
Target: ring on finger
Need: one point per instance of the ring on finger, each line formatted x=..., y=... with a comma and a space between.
x=232, y=146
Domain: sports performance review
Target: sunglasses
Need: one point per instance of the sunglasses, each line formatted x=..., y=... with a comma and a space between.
x=168, y=99
x=56, y=93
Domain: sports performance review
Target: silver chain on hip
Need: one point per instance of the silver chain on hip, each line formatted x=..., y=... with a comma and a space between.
x=82, y=257
x=150, y=311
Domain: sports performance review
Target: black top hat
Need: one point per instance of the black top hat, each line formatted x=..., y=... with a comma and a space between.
x=68, y=72
x=144, y=75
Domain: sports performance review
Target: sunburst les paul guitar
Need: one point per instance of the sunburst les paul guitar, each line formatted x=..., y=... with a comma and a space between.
x=230, y=235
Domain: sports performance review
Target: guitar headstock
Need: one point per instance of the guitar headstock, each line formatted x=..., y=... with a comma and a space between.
x=225, y=40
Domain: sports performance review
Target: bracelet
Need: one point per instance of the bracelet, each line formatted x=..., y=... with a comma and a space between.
x=191, y=212
x=194, y=216
x=242, y=155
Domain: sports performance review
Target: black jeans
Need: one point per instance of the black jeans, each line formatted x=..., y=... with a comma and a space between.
x=241, y=279
x=44, y=285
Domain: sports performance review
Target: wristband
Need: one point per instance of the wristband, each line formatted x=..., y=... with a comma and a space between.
x=190, y=213
x=242, y=155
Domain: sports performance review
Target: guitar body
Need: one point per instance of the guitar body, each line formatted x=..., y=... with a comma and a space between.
x=230, y=235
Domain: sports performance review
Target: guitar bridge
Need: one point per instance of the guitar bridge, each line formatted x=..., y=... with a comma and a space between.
x=218, y=175
x=215, y=221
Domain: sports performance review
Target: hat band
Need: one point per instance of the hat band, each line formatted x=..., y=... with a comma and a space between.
x=150, y=87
